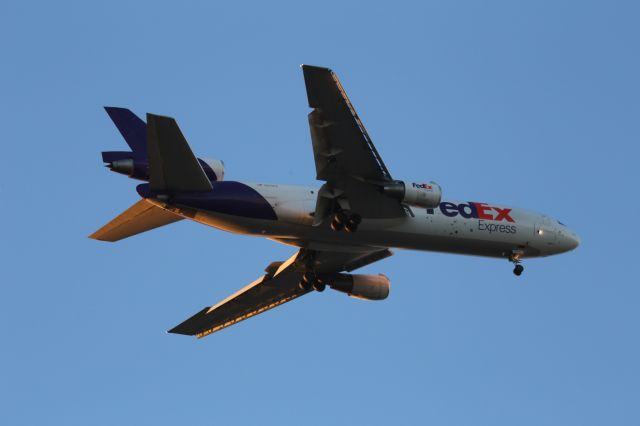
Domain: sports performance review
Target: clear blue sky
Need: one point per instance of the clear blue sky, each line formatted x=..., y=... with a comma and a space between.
x=532, y=104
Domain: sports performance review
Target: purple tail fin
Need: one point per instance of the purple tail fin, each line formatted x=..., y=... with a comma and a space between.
x=132, y=129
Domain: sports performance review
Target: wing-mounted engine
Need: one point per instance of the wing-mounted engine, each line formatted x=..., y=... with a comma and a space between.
x=367, y=287
x=427, y=195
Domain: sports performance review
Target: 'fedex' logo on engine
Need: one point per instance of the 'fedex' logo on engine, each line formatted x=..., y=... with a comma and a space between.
x=471, y=210
x=422, y=186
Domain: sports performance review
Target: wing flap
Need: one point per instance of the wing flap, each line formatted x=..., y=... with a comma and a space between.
x=141, y=217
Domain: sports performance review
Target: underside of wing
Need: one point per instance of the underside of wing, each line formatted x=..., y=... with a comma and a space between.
x=281, y=284
x=336, y=131
x=261, y=295
x=141, y=217
x=344, y=154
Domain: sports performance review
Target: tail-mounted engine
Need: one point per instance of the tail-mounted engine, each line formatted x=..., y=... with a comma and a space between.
x=135, y=163
x=214, y=169
x=138, y=168
x=426, y=195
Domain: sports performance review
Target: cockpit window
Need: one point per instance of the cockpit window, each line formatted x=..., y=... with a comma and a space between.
x=561, y=223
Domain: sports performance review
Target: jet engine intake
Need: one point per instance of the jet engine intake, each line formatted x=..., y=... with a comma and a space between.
x=426, y=195
x=367, y=287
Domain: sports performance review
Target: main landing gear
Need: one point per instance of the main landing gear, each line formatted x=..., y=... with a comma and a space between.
x=514, y=258
x=310, y=280
x=345, y=220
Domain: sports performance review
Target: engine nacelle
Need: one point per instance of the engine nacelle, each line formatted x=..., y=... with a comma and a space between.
x=426, y=195
x=134, y=168
x=367, y=287
x=138, y=168
x=214, y=169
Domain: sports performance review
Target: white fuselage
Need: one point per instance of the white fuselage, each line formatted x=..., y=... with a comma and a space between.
x=455, y=226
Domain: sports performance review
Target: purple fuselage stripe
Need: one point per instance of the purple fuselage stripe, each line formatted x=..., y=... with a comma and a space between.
x=226, y=197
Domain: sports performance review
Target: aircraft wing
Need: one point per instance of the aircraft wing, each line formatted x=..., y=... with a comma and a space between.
x=141, y=217
x=278, y=286
x=344, y=154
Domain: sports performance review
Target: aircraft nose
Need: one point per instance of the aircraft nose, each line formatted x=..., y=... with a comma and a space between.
x=571, y=240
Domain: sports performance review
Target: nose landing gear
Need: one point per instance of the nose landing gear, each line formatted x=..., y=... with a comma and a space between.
x=518, y=269
x=514, y=258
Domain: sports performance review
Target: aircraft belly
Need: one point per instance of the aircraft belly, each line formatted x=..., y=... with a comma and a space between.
x=441, y=237
x=235, y=224
x=425, y=230
x=378, y=234
x=467, y=236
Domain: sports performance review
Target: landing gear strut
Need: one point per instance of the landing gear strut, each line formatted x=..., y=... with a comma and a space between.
x=319, y=285
x=514, y=258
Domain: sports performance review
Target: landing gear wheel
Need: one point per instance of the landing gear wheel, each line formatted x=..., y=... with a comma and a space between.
x=339, y=221
x=303, y=285
x=352, y=223
x=514, y=257
x=518, y=270
x=319, y=285
x=308, y=278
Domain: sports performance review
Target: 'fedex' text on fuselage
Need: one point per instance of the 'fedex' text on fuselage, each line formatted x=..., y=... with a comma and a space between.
x=471, y=210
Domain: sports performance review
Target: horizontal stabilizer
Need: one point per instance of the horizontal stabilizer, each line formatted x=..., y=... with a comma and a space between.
x=142, y=216
x=111, y=156
x=172, y=165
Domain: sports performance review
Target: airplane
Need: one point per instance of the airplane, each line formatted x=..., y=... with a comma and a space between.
x=358, y=214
